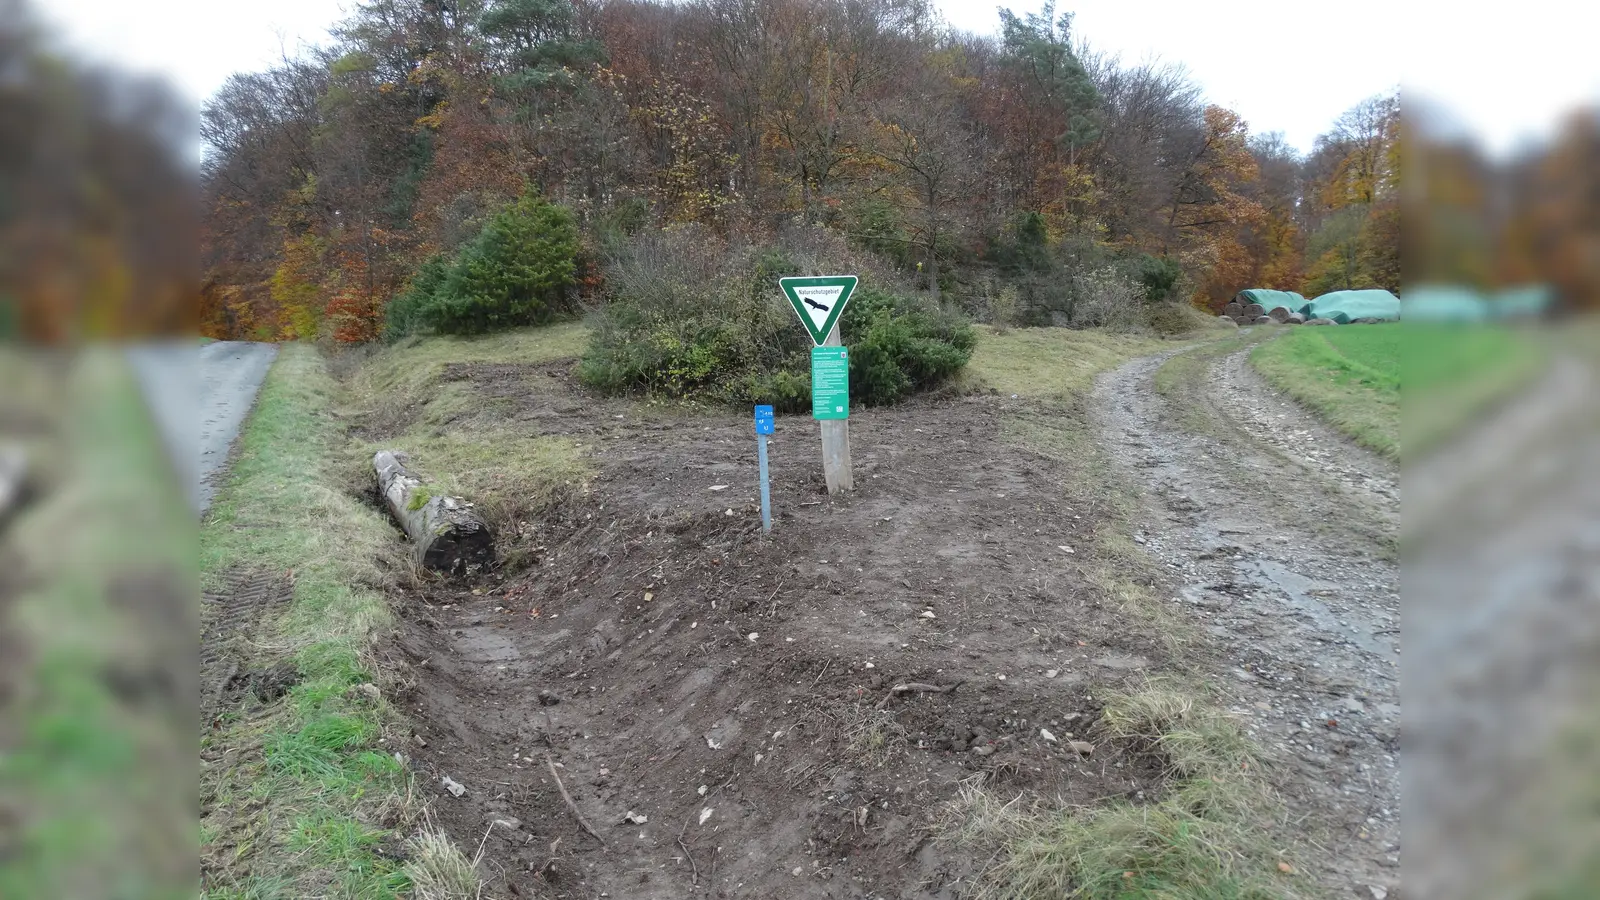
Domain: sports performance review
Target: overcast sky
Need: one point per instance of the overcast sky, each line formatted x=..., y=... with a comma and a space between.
x=1284, y=66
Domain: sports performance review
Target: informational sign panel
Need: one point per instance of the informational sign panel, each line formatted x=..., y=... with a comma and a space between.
x=830, y=383
x=765, y=420
x=818, y=301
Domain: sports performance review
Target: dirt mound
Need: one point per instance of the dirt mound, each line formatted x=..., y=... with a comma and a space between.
x=735, y=693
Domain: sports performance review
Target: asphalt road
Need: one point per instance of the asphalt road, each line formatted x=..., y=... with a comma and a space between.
x=230, y=373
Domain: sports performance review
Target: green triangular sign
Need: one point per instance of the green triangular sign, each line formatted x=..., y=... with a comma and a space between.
x=818, y=301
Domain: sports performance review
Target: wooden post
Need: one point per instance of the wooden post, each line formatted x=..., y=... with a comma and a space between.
x=836, y=440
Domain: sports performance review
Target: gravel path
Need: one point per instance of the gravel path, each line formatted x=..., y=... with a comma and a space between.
x=1279, y=537
x=230, y=374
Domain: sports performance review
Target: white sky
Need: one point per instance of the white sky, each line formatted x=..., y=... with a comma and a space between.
x=1284, y=65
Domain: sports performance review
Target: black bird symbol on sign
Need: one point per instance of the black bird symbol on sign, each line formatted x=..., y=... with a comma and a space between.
x=814, y=304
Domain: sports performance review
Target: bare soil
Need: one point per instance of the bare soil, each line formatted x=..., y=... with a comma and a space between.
x=1280, y=534
x=735, y=692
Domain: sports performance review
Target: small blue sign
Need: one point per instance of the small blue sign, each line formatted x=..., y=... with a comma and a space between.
x=764, y=420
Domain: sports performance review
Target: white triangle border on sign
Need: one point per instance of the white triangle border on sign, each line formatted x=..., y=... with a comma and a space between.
x=844, y=285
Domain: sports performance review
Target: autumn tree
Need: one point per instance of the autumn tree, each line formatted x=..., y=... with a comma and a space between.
x=1211, y=203
x=1024, y=155
x=1057, y=110
x=1275, y=243
x=1353, y=192
x=923, y=137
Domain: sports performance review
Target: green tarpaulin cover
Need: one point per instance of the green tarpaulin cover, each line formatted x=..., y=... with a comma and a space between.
x=1522, y=302
x=1443, y=303
x=1271, y=300
x=1456, y=303
x=1346, y=306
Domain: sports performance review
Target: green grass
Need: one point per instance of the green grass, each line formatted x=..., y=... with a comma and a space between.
x=1454, y=374
x=1052, y=363
x=97, y=579
x=1349, y=375
x=302, y=797
x=405, y=372
x=1205, y=837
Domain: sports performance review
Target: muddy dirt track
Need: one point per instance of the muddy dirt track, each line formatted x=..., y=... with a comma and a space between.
x=1279, y=534
x=734, y=694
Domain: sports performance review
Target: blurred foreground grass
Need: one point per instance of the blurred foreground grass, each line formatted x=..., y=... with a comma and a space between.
x=97, y=641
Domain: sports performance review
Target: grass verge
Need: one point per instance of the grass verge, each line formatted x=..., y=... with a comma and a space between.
x=1051, y=363
x=97, y=579
x=407, y=375
x=1205, y=838
x=461, y=440
x=304, y=800
x=1350, y=376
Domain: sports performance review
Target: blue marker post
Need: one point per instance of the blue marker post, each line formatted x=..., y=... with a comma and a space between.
x=764, y=427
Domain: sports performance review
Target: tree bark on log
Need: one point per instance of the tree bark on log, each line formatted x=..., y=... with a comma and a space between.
x=448, y=535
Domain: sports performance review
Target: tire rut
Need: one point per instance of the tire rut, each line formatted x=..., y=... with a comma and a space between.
x=1277, y=536
x=232, y=617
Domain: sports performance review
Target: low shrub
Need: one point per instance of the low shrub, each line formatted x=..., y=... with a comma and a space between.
x=691, y=317
x=1159, y=276
x=519, y=270
x=1106, y=299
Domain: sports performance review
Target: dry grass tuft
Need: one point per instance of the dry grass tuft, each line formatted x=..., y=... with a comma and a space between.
x=1208, y=837
x=438, y=870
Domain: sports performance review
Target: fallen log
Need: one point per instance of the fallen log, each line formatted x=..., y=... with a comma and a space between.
x=448, y=534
